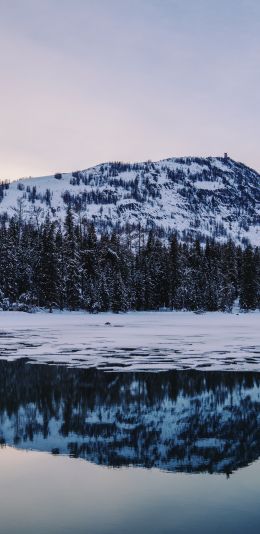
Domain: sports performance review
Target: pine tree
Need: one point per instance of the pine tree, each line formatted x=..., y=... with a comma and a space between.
x=174, y=274
x=249, y=289
x=48, y=283
x=72, y=264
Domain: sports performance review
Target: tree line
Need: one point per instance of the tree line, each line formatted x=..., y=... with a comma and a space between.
x=67, y=266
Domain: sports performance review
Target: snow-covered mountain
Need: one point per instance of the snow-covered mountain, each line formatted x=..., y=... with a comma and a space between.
x=194, y=196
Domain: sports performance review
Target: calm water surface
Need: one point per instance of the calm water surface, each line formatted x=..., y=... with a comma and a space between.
x=88, y=451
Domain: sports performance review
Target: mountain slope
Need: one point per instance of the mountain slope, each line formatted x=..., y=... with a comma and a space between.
x=215, y=197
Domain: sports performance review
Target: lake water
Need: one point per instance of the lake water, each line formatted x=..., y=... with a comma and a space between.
x=83, y=450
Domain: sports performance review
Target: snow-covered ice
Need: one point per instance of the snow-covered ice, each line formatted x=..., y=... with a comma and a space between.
x=134, y=341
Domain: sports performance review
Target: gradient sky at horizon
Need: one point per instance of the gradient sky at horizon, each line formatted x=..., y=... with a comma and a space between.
x=88, y=81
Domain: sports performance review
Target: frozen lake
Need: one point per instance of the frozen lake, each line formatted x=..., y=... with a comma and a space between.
x=92, y=439
x=134, y=341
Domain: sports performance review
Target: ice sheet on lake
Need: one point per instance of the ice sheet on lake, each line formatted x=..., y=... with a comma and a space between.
x=134, y=341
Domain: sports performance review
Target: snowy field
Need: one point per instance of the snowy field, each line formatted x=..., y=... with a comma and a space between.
x=134, y=341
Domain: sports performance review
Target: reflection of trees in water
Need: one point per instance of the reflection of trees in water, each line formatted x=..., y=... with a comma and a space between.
x=178, y=420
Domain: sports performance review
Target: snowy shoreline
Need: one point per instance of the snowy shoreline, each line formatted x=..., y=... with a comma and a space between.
x=134, y=341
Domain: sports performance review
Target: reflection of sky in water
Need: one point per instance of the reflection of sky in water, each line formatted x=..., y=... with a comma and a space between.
x=42, y=493
x=133, y=440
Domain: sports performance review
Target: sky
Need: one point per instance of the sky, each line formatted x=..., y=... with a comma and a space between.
x=88, y=81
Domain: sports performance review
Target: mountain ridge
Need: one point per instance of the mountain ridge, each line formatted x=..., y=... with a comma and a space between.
x=192, y=196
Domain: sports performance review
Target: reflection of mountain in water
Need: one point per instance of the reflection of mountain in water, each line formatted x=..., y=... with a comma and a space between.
x=176, y=421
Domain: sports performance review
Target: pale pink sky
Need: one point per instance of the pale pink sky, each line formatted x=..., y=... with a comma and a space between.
x=86, y=81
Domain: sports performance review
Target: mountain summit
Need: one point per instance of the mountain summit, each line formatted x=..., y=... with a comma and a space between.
x=196, y=197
